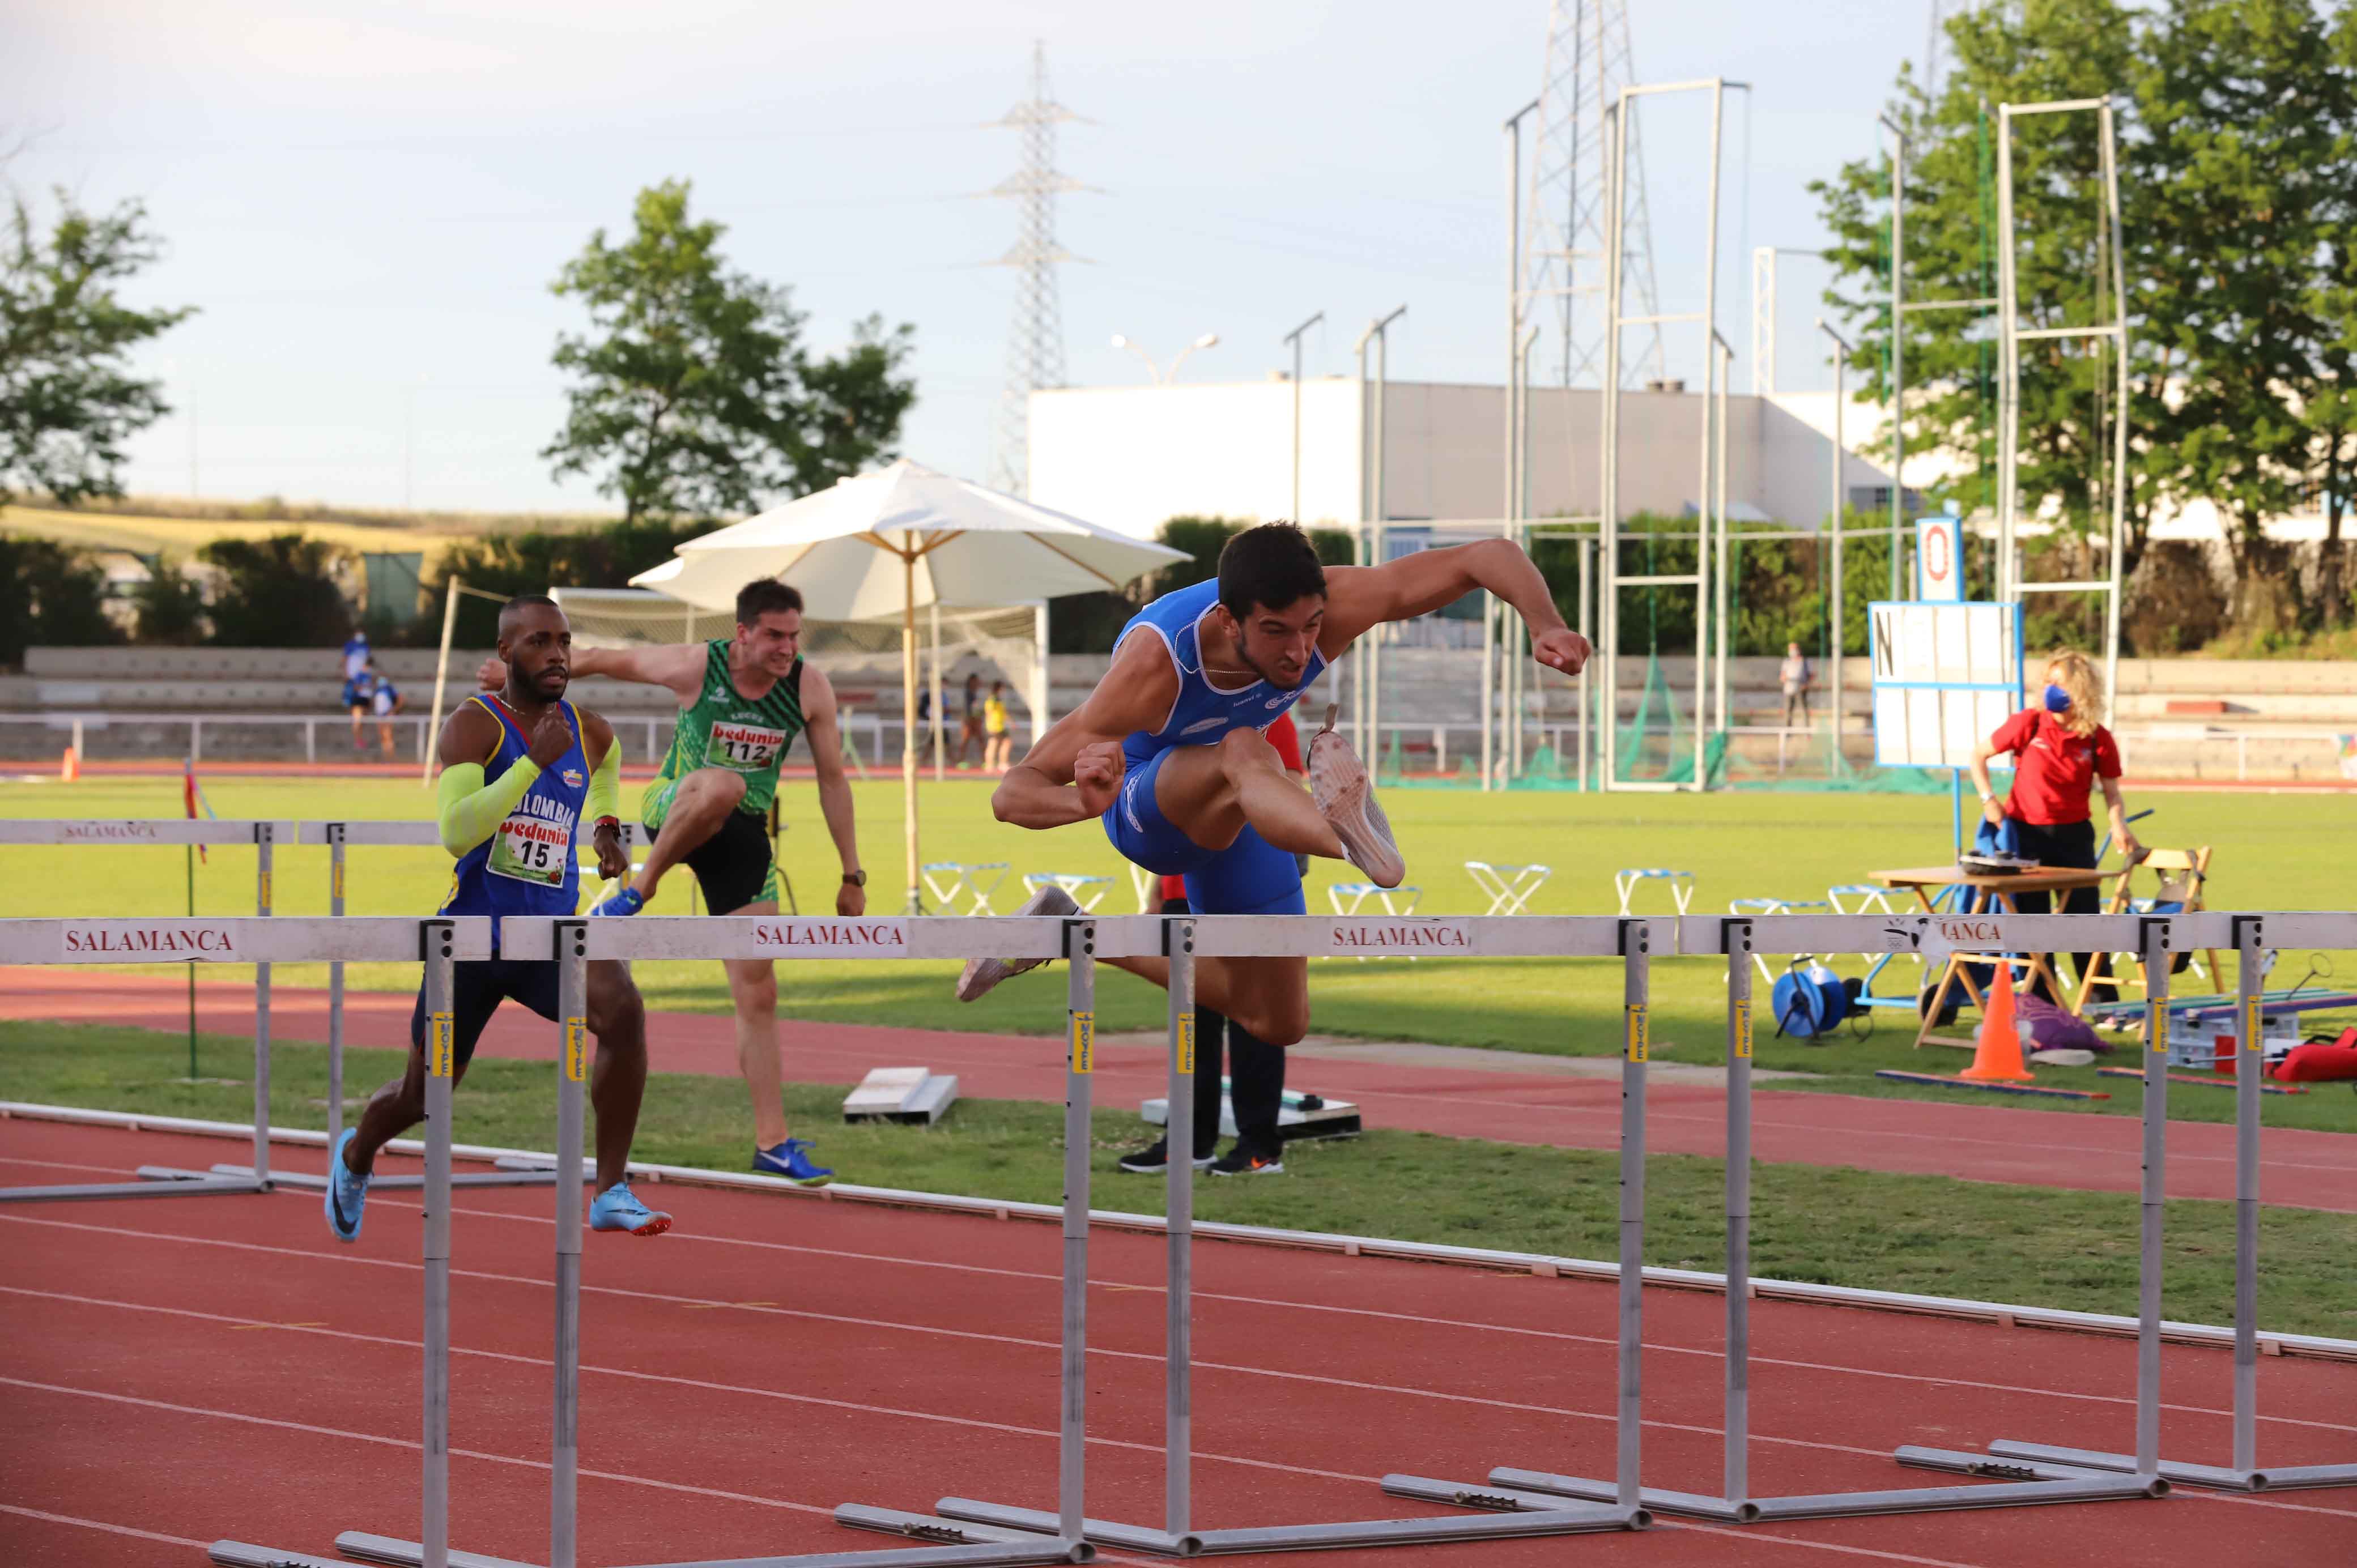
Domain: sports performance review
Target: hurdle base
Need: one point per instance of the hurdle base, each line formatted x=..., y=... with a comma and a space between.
x=154, y=1181
x=1547, y=1516
x=2216, y=1477
x=2014, y=1484
x=310, y=1183
x=359, y=1545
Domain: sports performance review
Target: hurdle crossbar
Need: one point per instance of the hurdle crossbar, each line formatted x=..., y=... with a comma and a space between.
x=1181, y=941
x=2020, y=1483
x=143, y=831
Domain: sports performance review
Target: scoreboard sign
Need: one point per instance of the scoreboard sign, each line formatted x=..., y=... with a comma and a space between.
x=1945, y=676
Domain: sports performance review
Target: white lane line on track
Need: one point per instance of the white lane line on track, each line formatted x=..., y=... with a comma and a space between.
x=933, y=1416
x=1757, y=1534
x=1247, y=1372
x=410, y=1444
x=1455, y=1325
x=123, y=1171
x=101, y=1524
x=1027, y=1342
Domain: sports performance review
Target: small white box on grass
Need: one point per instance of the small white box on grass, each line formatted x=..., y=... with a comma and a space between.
x=1297, y=1116
x=901, y=1094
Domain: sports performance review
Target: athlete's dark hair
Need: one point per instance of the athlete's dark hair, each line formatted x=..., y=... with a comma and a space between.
x=524, y=602
x=765, y=595
x=1269, y=567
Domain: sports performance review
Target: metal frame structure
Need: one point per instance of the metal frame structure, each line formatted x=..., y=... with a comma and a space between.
x=2243, y=1473
x=1184, y=940
x=1620, y=133
x=2022, y=1482
x=2112, y=269
x=1366, y=705
x=263, y=836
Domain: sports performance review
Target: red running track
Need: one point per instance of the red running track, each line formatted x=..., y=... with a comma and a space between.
x=183, y=1369
x=2300, y=1166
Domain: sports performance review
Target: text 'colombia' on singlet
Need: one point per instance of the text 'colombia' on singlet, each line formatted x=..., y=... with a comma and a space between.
x=1203, y=712
x=749, y=735
x=528, y=865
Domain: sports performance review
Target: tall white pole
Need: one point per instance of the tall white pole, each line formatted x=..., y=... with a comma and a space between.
x=1294, y=338
x=1702, y=546
x=441, y=680
x=1842, y=352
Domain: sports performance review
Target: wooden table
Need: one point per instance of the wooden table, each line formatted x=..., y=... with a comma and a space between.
x=1926, y=881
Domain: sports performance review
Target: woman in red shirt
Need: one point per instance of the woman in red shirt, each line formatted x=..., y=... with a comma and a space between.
x=2061, y=751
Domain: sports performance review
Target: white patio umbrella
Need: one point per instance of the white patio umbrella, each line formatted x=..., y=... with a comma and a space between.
x=898, y=541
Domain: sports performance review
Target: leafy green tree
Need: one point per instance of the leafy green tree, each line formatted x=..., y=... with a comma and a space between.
x=693, y=395
x=2248, y=155
x=50, y=596
x=69, y=401
x=169, y=606
x=278, y=592
x=535, y=560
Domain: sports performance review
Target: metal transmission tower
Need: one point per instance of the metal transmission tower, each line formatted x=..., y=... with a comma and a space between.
x=1564, y=223
x=1034, y=342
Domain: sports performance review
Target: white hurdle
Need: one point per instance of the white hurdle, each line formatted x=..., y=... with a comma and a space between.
x=168, y=830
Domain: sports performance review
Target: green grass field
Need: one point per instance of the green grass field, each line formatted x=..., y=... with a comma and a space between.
x=2270, y=851
x=1928, y=1234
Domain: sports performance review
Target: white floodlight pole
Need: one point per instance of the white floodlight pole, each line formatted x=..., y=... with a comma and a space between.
x=1608, y=528
x=1208, y=341
x=2008, y=365
x=1897, y=343
x=2120, y=421
x=1509, y=503
x=1294, y=338
x=1842, y=352
x=1763, y=320
x=1359, y=543
x=1710, y=338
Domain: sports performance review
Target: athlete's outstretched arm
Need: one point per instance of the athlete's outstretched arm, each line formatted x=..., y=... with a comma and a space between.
x=678, y=667
x=822, y=729
x=1073, y=772
x=1359, y=598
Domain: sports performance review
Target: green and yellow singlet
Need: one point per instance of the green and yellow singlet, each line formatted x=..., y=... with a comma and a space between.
x=725, y=729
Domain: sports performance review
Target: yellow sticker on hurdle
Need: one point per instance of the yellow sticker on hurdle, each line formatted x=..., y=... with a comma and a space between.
x=1186, y=1041
x=2156, y=1034
x=1084, y=1042
x=577, y=1049
x=441, y=1046
x=1640, y=1037
x=1743, y=1027
x=336, y=875
x=265, y=892
x=2253, y=1024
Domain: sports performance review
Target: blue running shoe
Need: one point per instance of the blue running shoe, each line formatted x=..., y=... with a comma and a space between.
x=626, y=902
x=791, y=1160
x=347, y=1193
x=618, y=1208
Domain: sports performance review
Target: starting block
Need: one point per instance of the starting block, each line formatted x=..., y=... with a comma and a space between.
x=1298, y=1115
x=911, y=1094
x=1510, y=887
x=1346, y=896
x=1088, y=892
x=950, y=880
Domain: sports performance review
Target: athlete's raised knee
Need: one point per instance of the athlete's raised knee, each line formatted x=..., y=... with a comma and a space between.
x=1247, y=748
x=1279, y=1024
x=718, y=784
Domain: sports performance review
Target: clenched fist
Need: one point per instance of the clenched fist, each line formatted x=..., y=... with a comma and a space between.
x=552, y=736
x=1097, y=773
x=491, y=674
x=1561, y=648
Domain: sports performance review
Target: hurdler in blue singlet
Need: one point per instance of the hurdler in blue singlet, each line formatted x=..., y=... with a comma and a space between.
x=528, y=866
x=1250, y=877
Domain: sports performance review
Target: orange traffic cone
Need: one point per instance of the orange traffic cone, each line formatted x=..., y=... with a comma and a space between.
x=71, y=768
x=1998, y=1057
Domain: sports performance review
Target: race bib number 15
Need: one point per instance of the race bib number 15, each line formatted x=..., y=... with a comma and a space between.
x=528, y=849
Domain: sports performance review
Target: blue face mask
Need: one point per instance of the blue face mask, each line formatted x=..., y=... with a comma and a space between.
x=2058, y=701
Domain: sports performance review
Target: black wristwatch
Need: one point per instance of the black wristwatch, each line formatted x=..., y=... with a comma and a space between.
x=854, y=880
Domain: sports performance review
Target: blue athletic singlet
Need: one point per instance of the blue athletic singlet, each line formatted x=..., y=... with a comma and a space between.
x=1250, y=877
x=528, y=865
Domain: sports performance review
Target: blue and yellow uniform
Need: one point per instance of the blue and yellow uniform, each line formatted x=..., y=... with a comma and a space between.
x=1250, y=877
x=526, y=865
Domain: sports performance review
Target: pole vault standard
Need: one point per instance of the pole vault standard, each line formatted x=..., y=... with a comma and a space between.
x=573, y=943
x=2021, y=1483
x=2252, y=936
x=1185, y=940
x=152, y=941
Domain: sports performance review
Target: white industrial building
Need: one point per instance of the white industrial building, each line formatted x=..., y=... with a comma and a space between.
x=1129, y=457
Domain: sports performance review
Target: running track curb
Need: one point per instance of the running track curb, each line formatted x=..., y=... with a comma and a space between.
x=2317, y=1346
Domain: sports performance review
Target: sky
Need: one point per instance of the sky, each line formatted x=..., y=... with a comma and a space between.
x=367, y=202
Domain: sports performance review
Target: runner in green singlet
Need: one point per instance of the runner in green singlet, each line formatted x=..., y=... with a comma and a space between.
x=742, y=702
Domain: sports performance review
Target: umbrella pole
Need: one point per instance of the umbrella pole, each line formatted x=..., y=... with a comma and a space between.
x=909, y=712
